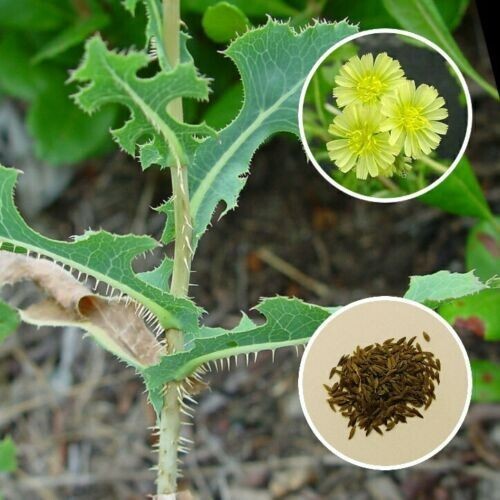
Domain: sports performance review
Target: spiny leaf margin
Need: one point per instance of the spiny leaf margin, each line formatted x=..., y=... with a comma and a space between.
x=108, y=77
x=102, y=255
x=273, y=61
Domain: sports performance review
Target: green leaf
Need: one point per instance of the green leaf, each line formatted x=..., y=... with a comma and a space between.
x=288, y=322
x=282, y=59
x=423, y=17
x=443, y=286
x=223, y=21
x=105, y=256
x=486, y=376
x=110, y=77
x=71, y=36
x=8, y=461
x=460, y=193
x=9, y=320
x=482, y=252
x=478, y=313
x=63, y=133
x=255, y=8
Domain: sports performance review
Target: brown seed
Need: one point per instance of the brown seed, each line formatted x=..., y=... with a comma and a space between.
x=427, y=337
x=383, y=384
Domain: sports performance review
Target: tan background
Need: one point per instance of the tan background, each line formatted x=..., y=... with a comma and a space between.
x=364, y=324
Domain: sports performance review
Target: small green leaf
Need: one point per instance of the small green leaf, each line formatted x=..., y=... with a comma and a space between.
x=8, y=461
x=223, y=21
x=460, y=193
x=9, y=320
x=443, y=286
x=110, y=77
x=423, y=17
x=482, y=253
x=63, y=133
x=478, y=313
x=486, y=377
x=282, y=58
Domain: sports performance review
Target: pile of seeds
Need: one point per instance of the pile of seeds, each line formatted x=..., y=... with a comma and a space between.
x=381, y=385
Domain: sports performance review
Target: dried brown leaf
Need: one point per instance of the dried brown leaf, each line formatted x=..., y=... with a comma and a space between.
x=113, y=322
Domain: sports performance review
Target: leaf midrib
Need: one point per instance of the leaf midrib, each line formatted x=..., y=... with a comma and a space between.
x=201, y=191
x=151, y=115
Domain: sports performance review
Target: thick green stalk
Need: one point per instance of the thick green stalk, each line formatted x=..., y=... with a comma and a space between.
x=170, y=417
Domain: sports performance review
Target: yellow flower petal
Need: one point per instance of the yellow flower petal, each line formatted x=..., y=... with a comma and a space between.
x=413, y=117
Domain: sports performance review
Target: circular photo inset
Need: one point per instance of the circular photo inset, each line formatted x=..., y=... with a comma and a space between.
x=385, y=115
x=385, y=383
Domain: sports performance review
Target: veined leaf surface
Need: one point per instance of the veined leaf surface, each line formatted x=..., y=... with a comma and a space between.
x=109, y=77
x=273, y=62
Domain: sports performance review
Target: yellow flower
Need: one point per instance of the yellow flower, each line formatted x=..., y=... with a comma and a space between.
x=360, y=144
x=413, y=117
x=365, y=81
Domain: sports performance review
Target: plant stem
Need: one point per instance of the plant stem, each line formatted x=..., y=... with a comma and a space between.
x=170, y=416
x=436, y=166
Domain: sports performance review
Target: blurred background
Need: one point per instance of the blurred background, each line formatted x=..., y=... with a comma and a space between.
x=79, y=418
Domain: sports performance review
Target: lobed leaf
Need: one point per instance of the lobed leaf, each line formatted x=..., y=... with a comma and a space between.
x=109, y=77
x=288, y=322
x=273, y=61
x=102, y=255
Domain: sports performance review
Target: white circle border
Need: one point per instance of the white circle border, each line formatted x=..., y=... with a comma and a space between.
x=438, y=448
x=460, y=77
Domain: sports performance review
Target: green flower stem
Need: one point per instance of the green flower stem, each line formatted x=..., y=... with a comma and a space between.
x=436, y=166
x=170, y=416
x=388, y=183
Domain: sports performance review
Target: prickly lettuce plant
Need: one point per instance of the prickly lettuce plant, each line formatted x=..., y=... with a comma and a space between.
x=147, y=319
